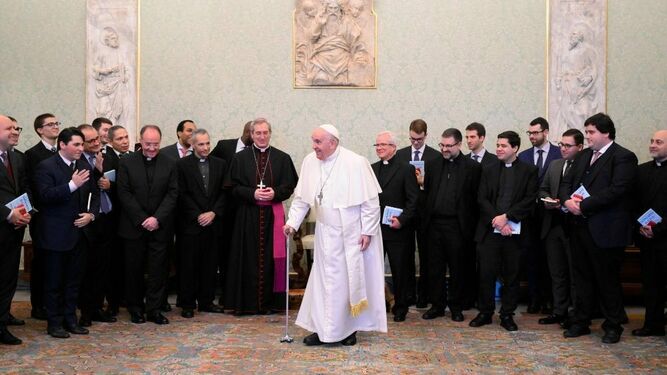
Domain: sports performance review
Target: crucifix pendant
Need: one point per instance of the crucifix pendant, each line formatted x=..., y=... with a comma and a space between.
x=261, y=184
x=319, y=197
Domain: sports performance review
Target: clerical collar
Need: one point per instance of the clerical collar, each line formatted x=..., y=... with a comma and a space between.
x=260, y=149
x=659, y=163
x=388, y=161
x=146, y=158
x=509, y=165
x=202, y=160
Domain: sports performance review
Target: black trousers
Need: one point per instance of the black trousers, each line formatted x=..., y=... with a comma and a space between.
x=198, y=270
x=62, y=278
x=557, y=247
x=400, y=254
x=418, y=287
x=534, y=262
x=499, y=256
x=97, y=268
x=447, y=247
x=10, y=257
x=596, y=271
x=36, y=267
x=150, y=254
x=116, y=278
x=654, y=280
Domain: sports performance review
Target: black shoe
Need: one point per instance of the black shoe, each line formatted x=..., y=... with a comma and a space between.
x=212, y=308
x=611, y=336
x=312, y=340
x=533, y=308
x=350, y=340
x=6, y=338
x=565, y=324
x=457, y=316
x=166, y=307
x=433, y=313
x=507, y=322
x=76, y=329
x=552, y=319
x=157, y=318
x=103, y=316
x=12, y=321
x=39, y=314
x=85, y=320
x=137, y=318
x=188, y=313
x=58, y=332
x=645, y=332
x=399, y=316
x=576, y=331
x=481, y=319
x=112, y=311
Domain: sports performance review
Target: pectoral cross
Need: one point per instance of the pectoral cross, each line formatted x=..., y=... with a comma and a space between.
x=261, y=184
x=319, y=197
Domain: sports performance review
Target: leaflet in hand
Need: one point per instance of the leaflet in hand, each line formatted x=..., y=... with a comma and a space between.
x=390, y=212
x=649, y=218
x=110, y=175
x=580, y=193
x=21, y=200
x=419, y=165
x=516, y=227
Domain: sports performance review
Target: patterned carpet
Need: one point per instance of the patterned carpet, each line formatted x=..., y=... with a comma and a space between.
x=213, y=343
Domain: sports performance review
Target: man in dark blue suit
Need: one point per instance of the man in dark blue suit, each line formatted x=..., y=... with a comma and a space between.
x=601, y=225
x=69, y=200
x=540, y=155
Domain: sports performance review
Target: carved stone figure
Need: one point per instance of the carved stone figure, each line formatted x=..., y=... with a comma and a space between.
x=111, y=74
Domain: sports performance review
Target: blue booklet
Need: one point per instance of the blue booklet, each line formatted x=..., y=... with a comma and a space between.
x=516, y=227
x=580, y=193
x=110, y=175
x=390, y=212
x=419, y=165
x=20, y=200
x=649, y=218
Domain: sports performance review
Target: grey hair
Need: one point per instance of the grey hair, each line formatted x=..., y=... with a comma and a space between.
x=257, y=121
x=200, y=131
x=391, y=135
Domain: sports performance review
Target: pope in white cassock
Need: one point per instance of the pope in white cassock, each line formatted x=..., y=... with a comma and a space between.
x=345, y=291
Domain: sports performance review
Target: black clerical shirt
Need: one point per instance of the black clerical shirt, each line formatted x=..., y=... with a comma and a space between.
x=445, y=204
x=506, y=189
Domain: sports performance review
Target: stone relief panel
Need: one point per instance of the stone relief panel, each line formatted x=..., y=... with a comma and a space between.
x=111, y=61
x=334, y=43
x=577, y=62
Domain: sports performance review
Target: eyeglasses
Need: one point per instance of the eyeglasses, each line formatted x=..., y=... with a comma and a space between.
x=94, y=140
x=51, y=125
x=18, y=129
x=565, y=145
x=383, y=145
x=448, y=146
x=417, y=139
x=536, y=132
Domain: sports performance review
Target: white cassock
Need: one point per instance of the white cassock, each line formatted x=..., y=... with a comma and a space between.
x=345, y=291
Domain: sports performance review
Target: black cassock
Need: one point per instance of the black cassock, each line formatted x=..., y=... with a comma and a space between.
x=249, y=281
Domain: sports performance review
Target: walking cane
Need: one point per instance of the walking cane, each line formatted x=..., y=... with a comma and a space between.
x=287, y=338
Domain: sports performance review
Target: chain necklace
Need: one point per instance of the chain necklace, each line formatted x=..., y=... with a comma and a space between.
x=261, y=176
x=322, y=184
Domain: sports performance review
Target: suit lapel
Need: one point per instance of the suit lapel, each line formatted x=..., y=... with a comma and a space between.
x=602, y=160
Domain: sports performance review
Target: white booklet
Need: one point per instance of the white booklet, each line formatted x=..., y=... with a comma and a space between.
x=21, y=200
x=580, y=193
x=516, y=227
x=649, y=218
x=390, y=212
x=110, y=175
x=419, y=164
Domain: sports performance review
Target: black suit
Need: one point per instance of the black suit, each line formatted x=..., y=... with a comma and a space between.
x=199, y=245
x=600, y=234
x=487, y=159
x=13, y=183
x=34, y=156
x=651, y=192
x=406, y=155
x=225, y=149
x=450, y=231
x=64, y=244
x=171, y=152
x=142, y=197
x=399, y=190
x=497, y=254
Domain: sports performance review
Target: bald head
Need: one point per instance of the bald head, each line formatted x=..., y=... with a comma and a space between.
x=324, y=143
x=6, y=129
x=658, y=147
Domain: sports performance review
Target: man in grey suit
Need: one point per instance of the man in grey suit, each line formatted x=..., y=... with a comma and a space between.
x=556, y=241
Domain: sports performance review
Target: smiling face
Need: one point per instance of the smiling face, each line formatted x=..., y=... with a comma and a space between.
x=150, y=143
x=658, y=147
x=201, y=143
x=596, y=140
x=73, y=149
x=385, y=148
x=261, y=135
x=505, y=152
x=323, y=143
x=120, y=141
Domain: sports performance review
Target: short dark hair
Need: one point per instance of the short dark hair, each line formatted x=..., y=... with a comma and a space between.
x=576, y=134
x=181, y=125
x=512, y=137
x=603, y=124
x=97, y=123
x=11, y=118
x=39, y=120
x=154, y=127
x=112, y=130
x=453, y=133
x=541, y=121
x=66, y=135
x=479, y=128
x=419, y=126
